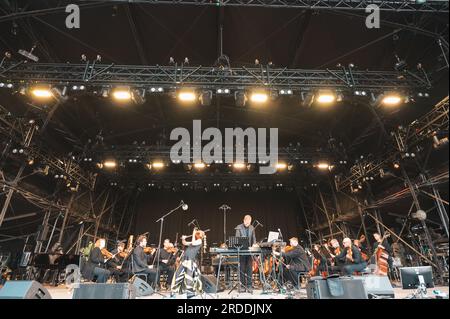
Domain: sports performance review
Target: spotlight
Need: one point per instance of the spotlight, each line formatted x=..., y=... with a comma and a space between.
x=240, y=98
x=286, y=92
x=206, y=98
x=122, y=94
x=157, y=164
x=391, y=100
x=396, y=165
x=42, y=93
x=325, y=97
x=239, y=166
x=109, y=164
x=199, y=165
x=187, y=96
x=281, y=166
x=323, y=166
x=223, y=91
x=259, y=97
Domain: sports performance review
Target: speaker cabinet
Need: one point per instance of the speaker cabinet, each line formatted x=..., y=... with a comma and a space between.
x=141, y=287
x=352, y=289
x=209, y=284
x=377, y=286
x=24, y=290
x=104, y=291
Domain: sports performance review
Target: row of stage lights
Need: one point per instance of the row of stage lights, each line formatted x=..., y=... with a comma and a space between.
x=159, y=165
x=126, y=95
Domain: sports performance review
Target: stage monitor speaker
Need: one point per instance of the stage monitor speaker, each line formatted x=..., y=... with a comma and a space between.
x=351, y=289
x=377, y=286
x=142, y=287
x=209, y=284
x=24, y=290
x=104, y=291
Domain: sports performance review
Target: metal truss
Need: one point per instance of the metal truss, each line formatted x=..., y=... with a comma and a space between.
x=21, y=132
x=398, y=6
x=405, y=138
x=175, y=76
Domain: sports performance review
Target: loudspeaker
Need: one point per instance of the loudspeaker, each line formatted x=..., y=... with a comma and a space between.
x=104, y=291
x=24, y=290
x=352, y=289
x=377, y=286
x=209, y=284
x=141, y=287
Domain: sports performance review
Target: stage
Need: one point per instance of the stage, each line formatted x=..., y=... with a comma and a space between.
x=63, y=292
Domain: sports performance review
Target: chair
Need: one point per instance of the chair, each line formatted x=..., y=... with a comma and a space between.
x=144, y=275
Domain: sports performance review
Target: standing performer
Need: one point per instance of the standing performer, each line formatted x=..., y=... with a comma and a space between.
x=383, y=250
x=351, y=256
x=187, y=276
x=246, y=229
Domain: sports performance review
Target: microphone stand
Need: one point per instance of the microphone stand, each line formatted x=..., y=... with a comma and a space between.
x=224, y=208
x=158, y=253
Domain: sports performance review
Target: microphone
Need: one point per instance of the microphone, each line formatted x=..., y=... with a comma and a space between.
x=184, y=206
x=279, y=230
x=258, y=223
x=225, y=207
x=192, y=222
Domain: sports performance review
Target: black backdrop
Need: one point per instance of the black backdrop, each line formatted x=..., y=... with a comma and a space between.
x=272, y=208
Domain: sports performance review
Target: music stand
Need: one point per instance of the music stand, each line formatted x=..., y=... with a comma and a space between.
x=238, y=243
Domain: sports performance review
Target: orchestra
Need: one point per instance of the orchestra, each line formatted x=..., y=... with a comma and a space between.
x=180, y=266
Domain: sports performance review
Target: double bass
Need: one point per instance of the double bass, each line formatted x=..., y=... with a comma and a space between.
x=381, y=258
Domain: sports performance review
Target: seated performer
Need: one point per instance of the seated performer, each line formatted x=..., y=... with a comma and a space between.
x=351, y=257
x=296, y=261
x=246, y=229
x=187, y=276
x=140, y=262
x=116, y=263
x=320, y=266
x=167, y=259
x=95, y=267
x=335, y=249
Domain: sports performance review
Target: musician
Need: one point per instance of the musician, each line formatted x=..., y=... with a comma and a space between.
x=335, y=249
x=95, y=266
x=167, y=258
x=384, y=244
x=140, y=261
x=296, y=261
x=320, y=260
x=116, y=263
x=246, y=229
x=359, y=244
x=351, y=257
x=187, y=276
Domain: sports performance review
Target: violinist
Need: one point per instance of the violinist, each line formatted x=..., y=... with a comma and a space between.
x=296, y=261
x=335, y=249
x=116, y=263
x=95, y=267
x=167, y=257
x=359, y=243
x=140, y=261
x=319, y=261
x=351, y=257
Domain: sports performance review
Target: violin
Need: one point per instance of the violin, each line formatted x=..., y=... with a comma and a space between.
x=149, y=250
x=349, y=255
x=171, y=250
x=106, y=253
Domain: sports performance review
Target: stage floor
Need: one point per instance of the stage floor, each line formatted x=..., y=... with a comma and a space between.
x=63, y=292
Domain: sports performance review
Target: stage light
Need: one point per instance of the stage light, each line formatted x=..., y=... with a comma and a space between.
x=323, y=166
x=286, y=92
x=122, y=94
x=42, y=93
x=187, y=96
x=325, y=97
x=199, y=165
x=239, y=166
x=396, y=165
x=223, y=91
x=157, y=165
x=109, y=164
x=259, y=97
x=391, y=100
x=281, y=166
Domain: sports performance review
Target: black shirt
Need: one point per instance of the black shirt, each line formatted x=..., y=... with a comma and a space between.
x=357, y=259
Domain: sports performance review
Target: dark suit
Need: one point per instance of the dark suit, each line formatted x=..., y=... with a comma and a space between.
x=95, y=267
x=358, y=264
x=121, y=275
x=246, y=262
x=298, y=262
x=140, y=265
